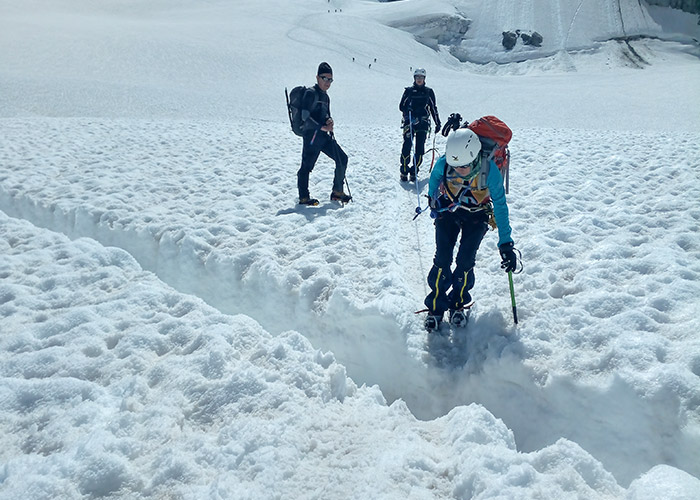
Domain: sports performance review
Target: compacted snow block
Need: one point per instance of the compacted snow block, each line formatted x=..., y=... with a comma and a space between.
x=534, y=39
x=509, y=39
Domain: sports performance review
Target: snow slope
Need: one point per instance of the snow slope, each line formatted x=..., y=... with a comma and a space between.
x=161, y=130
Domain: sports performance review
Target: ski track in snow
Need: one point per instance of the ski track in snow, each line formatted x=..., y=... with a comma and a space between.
x=590, y=211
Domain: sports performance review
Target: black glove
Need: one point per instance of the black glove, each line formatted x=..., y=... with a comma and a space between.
x=451, y=124
x=510, y=260
x=437, y=128
x=434, y=204
x=438, y=206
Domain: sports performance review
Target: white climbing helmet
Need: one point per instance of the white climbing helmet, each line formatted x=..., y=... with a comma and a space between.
x=462, y=148
x=419, y=72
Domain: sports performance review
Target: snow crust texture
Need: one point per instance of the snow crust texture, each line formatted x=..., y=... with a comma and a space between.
x=174, y=325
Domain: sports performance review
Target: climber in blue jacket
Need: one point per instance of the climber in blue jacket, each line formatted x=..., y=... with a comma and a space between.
x=465, y=190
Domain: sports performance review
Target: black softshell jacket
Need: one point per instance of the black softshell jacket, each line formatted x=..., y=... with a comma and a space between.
x=315, y=108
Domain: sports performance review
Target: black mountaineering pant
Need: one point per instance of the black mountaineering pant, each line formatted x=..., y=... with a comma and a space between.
x=315, y=143
x=420, y=132
x=448, y=289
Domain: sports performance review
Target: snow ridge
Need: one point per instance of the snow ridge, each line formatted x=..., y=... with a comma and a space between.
x=350, y=280
x=158, y=130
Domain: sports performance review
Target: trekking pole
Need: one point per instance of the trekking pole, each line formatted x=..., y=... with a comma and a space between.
x=289, y=109
x=345, y=178
x=415, y=169
x=512, y=297
x=348, y=186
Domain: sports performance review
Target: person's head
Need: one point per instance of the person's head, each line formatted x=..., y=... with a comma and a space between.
x=463, y=152
x=419, y=76
x=324, y=76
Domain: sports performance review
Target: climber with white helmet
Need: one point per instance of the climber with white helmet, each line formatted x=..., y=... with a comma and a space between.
x=417, y=105
x=465, y=194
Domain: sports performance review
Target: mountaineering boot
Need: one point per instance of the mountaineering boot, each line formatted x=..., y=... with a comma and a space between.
x=308, y=201
x=413, y=173
x=404, y=178
x=432, y=323
x=459, y=318
x=340, y=196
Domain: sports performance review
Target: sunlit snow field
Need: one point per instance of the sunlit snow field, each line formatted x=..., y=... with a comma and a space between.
x=173, y=325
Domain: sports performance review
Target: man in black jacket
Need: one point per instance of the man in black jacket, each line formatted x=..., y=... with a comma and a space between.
x=417, y=105
x=318, y=138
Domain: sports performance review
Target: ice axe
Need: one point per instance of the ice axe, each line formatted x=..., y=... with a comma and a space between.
x=512, y=297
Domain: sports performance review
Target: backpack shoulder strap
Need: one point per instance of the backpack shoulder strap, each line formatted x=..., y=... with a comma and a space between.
x=306, y=112
x=482, y=180
x=448, y=193
x=305, y=98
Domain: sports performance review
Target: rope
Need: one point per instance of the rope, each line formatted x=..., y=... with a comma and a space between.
x=418, y=208
x=432, y=161
x=415, y=170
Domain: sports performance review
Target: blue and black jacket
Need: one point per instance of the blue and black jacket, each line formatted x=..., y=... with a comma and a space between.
x=451, y=196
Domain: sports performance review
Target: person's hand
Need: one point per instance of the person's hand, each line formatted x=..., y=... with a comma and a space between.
x=434, y=205
x=437, y=128
x=452, y=123
x=510, y=260
x=328, y=127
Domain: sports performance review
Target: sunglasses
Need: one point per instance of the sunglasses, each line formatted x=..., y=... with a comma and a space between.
x=469, y=171
x=326, y=79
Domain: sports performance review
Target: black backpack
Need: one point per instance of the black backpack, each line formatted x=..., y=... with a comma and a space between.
x=294, y=100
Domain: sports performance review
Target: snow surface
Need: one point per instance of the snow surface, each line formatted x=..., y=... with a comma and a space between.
x=172, y=325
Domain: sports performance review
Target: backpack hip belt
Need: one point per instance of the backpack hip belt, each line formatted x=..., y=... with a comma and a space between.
x=477, y=208
x=488, y=207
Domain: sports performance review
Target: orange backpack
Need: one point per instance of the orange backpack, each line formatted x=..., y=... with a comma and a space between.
x=494, y=136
